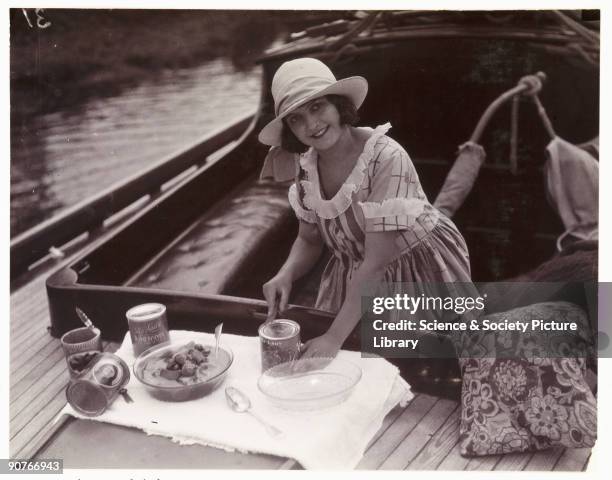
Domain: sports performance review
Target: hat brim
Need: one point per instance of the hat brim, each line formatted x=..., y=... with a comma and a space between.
x=355, y=88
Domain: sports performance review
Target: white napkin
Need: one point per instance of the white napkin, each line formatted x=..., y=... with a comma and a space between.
x=331, y=438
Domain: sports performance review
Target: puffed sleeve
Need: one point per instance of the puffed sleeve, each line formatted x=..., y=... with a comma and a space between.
x=396, y=199
x=298, y=207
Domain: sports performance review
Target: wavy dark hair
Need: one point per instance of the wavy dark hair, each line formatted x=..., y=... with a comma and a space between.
x=348, y=116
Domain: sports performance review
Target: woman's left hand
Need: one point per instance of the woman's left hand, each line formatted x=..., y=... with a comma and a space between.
x=326, y=346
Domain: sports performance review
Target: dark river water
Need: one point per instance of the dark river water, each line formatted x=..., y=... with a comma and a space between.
x=71, y=155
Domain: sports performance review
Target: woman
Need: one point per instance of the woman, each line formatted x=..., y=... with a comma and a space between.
x=356, y=193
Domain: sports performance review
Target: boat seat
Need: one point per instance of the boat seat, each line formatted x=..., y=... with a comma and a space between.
x=218, y=248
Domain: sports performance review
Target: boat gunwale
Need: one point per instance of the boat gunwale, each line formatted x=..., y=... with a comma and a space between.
x=32, y=245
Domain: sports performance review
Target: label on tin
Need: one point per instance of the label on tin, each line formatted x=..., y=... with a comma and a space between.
x=279, y=341
x=148, y=326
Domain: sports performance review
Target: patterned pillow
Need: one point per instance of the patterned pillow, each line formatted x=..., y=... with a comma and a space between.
x=514, y=400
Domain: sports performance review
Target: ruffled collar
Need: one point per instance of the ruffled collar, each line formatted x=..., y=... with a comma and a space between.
x=342, y=200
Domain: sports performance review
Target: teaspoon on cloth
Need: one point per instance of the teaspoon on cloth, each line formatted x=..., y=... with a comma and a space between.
x=240, y=403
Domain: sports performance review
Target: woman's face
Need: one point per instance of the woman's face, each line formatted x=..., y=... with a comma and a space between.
x=316, y=124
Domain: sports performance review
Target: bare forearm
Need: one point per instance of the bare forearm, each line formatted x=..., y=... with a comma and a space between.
x=305, y=252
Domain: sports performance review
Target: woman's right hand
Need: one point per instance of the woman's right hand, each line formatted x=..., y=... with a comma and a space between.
x=276, y=292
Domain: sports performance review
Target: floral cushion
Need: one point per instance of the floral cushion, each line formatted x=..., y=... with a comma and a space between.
x=513, y=400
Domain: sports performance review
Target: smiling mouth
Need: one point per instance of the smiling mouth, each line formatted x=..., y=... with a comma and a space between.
x=320, y=133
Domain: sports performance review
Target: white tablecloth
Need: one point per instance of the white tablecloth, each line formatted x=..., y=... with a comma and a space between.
x=332, y=438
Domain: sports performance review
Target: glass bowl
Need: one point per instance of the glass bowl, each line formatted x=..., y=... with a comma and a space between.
x=202, y=383
x=309, y=384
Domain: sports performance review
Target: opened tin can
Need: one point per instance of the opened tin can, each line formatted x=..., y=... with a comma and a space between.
x=280, y=342
x=148, y=326
x=92, y=392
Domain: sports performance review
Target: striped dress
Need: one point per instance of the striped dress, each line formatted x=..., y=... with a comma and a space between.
x=382, y=193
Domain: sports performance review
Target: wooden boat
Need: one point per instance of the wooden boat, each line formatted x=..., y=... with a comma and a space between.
x=204, y=245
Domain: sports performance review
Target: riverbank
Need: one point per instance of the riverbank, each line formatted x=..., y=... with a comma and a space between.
x=59, y=159
x=84, y=54
x=97, y=95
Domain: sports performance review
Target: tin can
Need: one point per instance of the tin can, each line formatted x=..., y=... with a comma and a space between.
x=80, y=346
x=92, y=392
x=148, y=326
x=280, y=342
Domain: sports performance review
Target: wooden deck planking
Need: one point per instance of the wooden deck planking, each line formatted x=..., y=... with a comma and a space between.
x=58, y=370
x=513, y=461
x=29, y=333
x=487, y=463
x=573, y=459
x=36, y=367
x=35, y=373
x=387, y=422
x=28, y=299
x=27, y=339
x=21, y=302
x=454, y=460
x=34, y=318
x=412, y=444
x=35, y=356
x=36, y=399
x=544, y=460
x=31, y=344
x=396, y=432
x=32, y=323
x=440, y=445
x=18, y=405
x=25, y=299
x=32, y=327
x=42, y=420
x=35, y=333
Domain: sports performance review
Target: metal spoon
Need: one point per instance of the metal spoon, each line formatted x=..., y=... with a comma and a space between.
x=84, y=318
x=240, y=403
x=218, y=329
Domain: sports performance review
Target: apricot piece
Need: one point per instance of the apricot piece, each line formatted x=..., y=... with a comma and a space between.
x=179, y=358
x=188, y=369
x=197, y=357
